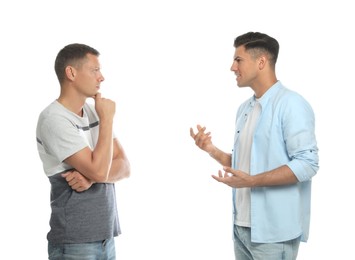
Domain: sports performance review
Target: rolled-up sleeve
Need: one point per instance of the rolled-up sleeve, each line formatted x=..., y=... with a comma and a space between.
x=299, y=135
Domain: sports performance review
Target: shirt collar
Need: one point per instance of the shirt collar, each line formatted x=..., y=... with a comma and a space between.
x=263, y=100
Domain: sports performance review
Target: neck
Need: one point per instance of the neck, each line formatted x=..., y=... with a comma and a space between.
x=72, y=105
x=263, y=86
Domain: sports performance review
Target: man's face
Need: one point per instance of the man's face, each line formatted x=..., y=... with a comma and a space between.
x=245, y=67
x=89, y=77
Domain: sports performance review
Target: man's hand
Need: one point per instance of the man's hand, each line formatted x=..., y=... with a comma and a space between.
x=104, y=107
x=234, y=178
x=77, y=181
x=202, y=139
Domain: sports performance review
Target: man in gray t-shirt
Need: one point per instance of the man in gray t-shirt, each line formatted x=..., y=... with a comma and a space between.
x=82, y=159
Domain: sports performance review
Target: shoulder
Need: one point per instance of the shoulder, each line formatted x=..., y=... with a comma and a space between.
x=289, y=97
x=54, y=116
x=48, y=113
x=292, y=105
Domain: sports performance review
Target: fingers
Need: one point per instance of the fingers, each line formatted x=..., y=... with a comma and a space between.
x=192, y=134
x=229, y=170
x=200, y=133
x=69, y=175
x=220, y=174
x=220, y=177
x=97, y=96
x=223, y=177
x=76, y=181
x=104, y=107
x=216, y=178
x=202, y=138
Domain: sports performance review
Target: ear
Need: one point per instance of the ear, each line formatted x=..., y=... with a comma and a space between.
x=262, y=62
x=70, y=72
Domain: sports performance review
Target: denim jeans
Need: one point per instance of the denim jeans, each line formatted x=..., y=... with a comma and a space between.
x=101, y=250
x=244, y=249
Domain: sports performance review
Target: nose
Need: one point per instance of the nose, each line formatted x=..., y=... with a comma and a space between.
x=101, y=78
x=234, y=66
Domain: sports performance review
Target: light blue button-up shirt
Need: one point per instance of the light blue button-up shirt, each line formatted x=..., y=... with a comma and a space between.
x=284, y=135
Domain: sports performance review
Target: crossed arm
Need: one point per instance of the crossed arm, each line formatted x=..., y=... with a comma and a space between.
x=82, y=180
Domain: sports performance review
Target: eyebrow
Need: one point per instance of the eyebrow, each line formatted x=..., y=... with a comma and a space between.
x=94, y=67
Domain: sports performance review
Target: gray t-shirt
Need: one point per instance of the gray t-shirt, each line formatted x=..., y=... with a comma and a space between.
x=77, y=217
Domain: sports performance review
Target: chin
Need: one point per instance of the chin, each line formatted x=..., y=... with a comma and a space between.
x=241, y=85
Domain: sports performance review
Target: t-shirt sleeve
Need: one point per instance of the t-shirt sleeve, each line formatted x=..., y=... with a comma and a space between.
x=61, y=138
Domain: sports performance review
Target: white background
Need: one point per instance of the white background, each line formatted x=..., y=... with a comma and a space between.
x=166, y=65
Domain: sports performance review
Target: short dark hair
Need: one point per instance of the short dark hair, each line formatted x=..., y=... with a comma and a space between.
x=72, y=54
x=260, y=43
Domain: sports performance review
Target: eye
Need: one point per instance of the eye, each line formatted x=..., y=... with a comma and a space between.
x=95, y=70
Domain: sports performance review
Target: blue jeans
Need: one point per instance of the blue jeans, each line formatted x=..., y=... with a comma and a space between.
x=101, y=250
x=244, y=249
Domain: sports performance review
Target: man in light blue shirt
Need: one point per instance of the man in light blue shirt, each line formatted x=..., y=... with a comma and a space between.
x=274, y=157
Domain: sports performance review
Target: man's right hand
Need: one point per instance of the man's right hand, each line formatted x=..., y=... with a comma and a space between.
x=104, y=107
x=77, y=181
x=202, y=139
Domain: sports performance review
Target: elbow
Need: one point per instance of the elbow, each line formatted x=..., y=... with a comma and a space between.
x=127, y=172
x=303, y=171
x=100, y=176
x=123, y=171
x=99, y=179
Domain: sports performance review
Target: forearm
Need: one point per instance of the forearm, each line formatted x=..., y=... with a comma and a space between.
x=120, y=169
x=221, y=157
x=279, y=176
x=120, y=166
x=103, y=152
